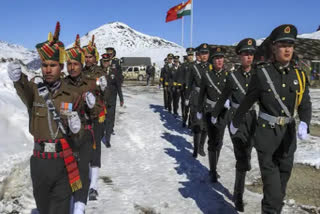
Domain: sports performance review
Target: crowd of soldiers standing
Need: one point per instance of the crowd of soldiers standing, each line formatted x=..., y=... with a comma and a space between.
x=257, y=101
x=69, y=118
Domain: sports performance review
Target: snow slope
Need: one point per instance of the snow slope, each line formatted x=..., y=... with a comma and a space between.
x=13, y=51
x=131, y=43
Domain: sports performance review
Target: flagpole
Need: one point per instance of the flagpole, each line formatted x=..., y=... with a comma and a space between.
x=191, y=25
x=182, y=29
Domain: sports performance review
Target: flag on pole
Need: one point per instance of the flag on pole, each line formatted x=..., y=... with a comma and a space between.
x=178, y=11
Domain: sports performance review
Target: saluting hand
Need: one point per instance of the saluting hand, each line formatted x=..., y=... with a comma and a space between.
x=90, y=99
x=14, y=71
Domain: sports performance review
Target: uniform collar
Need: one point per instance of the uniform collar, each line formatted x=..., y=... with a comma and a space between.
x=204, y=64
x=77, y=81
x=283, y=69
x=246, y=74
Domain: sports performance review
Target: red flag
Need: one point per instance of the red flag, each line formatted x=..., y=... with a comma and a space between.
x=172, y=14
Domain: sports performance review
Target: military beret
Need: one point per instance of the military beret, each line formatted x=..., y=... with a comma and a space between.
x=204, y=48
x=218, y=51
x=247, y=44
x=286, y=32
x=170, y=56
x=190, y=51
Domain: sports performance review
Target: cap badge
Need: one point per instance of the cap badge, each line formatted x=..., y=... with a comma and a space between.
x=287, y=29
x=218, y=49
x=249, y=42
x=205, y=46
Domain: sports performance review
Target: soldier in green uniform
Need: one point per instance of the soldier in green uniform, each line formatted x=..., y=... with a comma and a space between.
x=235, y=90
x=112, y=92
x=55, y=126
x=194, y=78
x=185, y=68
x=115, y=62
x=89, y=111
x=92, y=71
x=282, y=91
x=212, y=84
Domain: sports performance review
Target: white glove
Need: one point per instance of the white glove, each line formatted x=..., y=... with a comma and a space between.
x=103, y=83
x=186, y=102
x=90, y=100
x=227, y=104
x=14, y=71
x=233, y=129
x=199, y=115
x=302, y=130
x=213, y=120
x=74, y=122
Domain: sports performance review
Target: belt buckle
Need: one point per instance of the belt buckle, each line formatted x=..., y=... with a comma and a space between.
x=281, y=121
x=49, y=147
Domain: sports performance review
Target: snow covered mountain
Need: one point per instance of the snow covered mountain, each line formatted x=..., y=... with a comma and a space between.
x=129, y=42
x=12, y=51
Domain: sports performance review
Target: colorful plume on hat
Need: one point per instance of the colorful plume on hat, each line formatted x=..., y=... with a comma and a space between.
x=91, y=49
x=76, y=52
x=52, y=49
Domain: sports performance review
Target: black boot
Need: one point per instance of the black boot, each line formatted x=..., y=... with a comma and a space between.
x=201, y=144
x=239, y=190
x=196, y=140
x=213, y=166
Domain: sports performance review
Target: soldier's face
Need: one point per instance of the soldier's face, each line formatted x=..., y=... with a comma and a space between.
x=74, y=68
x=198, y=58
x=51, y=70
x=105, y=63
x=190, y=58
x=90, y=60
x=246, y=59
x=170, y=61
x=283, y=52
x=204, y=56
x=218, y=62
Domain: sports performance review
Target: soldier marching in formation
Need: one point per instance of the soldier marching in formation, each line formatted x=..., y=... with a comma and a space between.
x=258, y=102
x=70, y=116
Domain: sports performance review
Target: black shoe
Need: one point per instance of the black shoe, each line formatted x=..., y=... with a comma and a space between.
x=213, y=177
x=108, y=145
x=238, y=203
x=93, y=194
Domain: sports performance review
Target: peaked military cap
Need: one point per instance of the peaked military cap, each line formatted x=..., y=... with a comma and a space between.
x=106, y=57
x=52, y=49
x=204, y=48
x=76, y=52
x=185, y=57
x=218, y=51
x=246, y=45
x=190, y=51
x=286, y=32
x=176, y=57
x=170, y=56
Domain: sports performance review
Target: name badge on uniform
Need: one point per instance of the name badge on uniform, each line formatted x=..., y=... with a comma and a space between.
x=295, y=82
x=65, y=108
